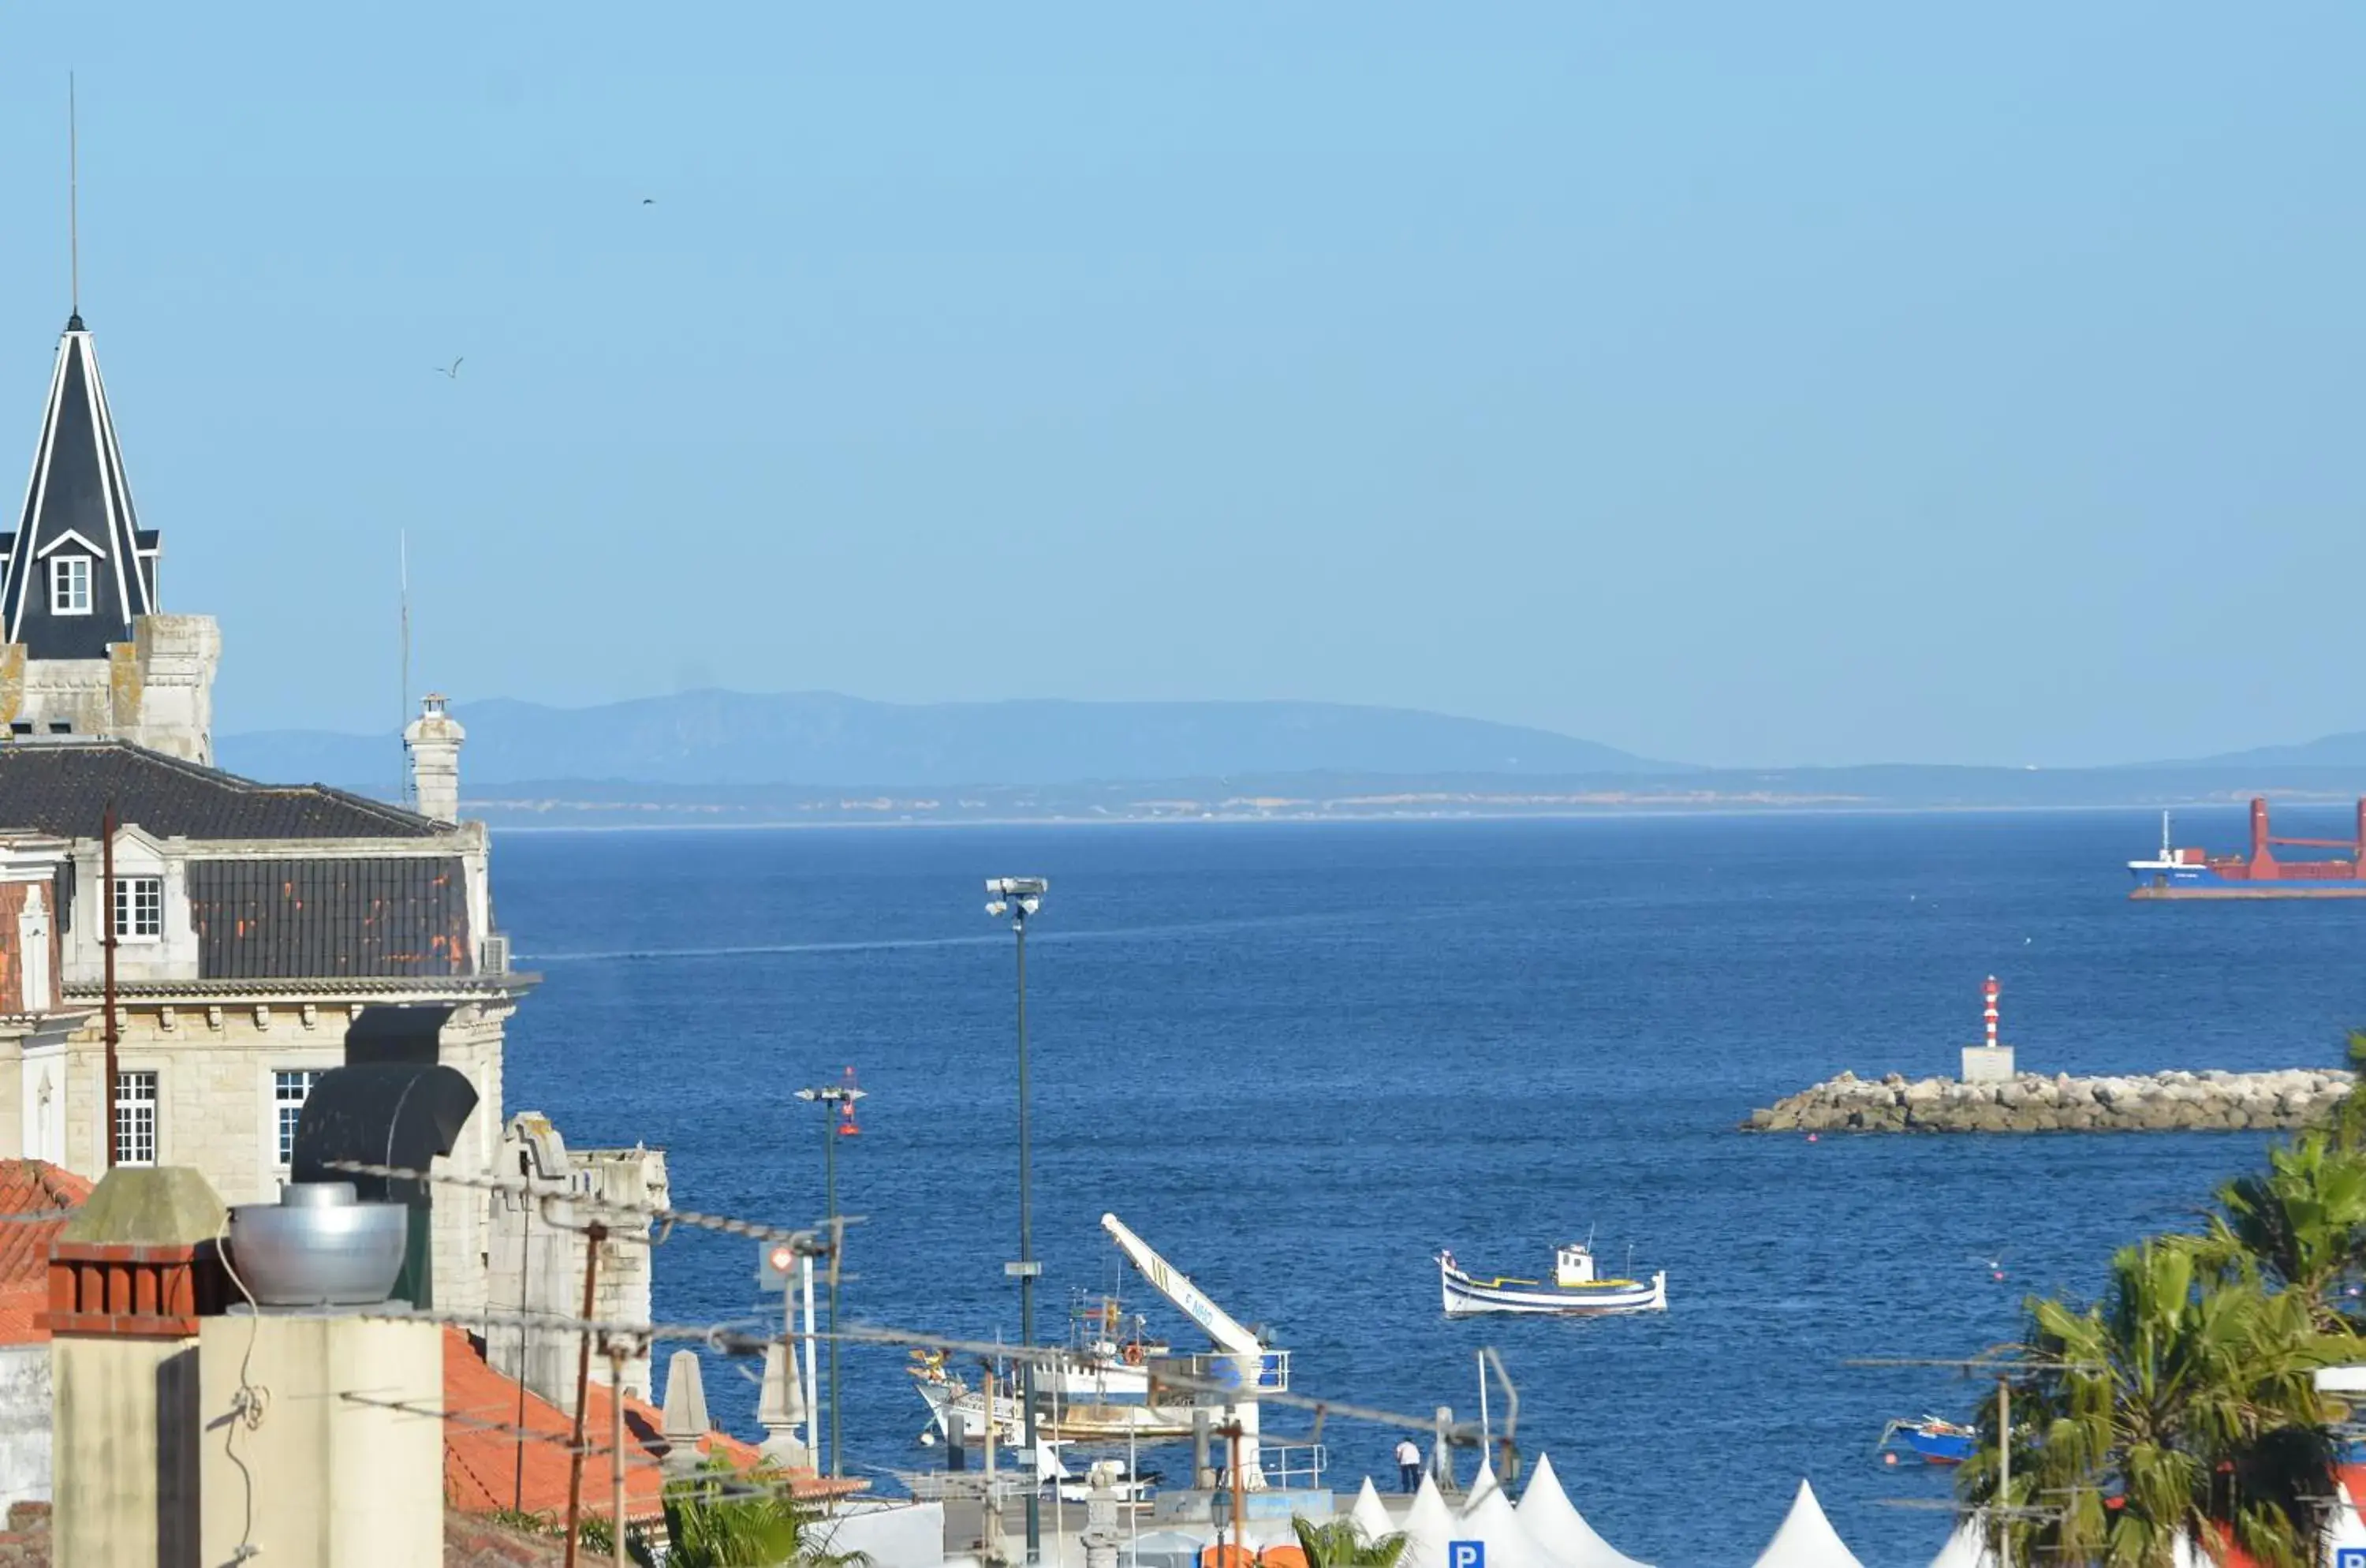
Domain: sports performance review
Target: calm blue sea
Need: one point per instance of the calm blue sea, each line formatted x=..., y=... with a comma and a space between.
x=1299, y=1059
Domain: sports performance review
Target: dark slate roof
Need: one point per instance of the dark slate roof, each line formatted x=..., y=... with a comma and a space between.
x=78, y=502
x=63, y=787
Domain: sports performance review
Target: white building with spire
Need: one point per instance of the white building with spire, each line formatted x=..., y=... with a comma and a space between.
x=242, y=937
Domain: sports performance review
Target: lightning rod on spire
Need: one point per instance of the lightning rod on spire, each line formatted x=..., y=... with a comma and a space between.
x=74, y=205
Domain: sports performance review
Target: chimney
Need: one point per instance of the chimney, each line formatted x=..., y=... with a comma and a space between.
x=133, y=1279
x=432, y=739
x=317, y=1404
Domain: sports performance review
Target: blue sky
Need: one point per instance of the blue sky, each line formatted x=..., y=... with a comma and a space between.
x=1733, y=383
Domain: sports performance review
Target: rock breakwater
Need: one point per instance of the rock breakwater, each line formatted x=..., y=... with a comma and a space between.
x=2153, y=1102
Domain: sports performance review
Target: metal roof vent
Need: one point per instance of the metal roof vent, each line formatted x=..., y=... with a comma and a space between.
x=318, y=1245
x=403, y=1113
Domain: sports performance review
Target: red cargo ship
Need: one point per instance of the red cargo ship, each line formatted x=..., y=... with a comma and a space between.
x=2197, y=873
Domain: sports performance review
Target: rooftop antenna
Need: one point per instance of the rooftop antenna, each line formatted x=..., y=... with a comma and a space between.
x=402, y=720
x=73, y=208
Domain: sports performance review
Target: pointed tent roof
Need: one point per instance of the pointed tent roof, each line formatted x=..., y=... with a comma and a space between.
x=1481, y=1483
x=1370, y=1516
x=1491, y=1519
x=1965, y=1549
x=1559, y=1529
x=1428, y=1526
x=77, y=503
x=1806, y=1539
x=2345, y=1530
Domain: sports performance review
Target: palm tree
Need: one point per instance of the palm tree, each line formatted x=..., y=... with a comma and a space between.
x=720, y=1517
x=2180, y=1406
x=1342, y=1543
x=2299, y=1225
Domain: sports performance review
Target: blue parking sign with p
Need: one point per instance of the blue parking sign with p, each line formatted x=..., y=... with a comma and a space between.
x=1473, y=1554
x=2349, y=1557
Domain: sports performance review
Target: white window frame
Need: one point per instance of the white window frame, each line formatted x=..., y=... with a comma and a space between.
x=70, y=580
x=136, y=1104
x=128, y=908
x=286, y=1109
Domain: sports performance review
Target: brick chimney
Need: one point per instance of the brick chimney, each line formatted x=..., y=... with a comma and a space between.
x=433, y=740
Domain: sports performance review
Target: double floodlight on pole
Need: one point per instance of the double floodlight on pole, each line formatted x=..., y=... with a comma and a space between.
x=843, y=1096
x=1018, y=897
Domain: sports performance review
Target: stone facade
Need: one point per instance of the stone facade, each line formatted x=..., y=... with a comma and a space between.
x=538, y=1249
x=155, y=691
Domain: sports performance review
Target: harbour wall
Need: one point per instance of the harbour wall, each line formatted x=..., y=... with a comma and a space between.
x=2150, y=1102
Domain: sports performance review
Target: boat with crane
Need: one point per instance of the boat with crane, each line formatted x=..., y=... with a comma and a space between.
x=1098, y=1393
x=1242, y=1366
x=1116, y=1387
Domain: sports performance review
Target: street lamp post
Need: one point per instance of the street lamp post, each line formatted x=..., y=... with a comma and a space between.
x=844, y=1097
x=1018, y=897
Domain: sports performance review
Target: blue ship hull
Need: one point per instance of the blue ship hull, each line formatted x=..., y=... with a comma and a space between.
x=1931, y=1440
x=1938, y=1448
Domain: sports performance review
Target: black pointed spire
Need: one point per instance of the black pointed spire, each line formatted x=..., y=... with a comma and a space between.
x=78, y=569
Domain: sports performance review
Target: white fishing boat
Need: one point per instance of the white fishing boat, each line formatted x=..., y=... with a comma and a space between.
x=1575, y=1290
x=1085, y=1420
x=1100, y=1392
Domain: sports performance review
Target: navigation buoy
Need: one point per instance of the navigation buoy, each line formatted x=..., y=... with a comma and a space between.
x=1811, y=1137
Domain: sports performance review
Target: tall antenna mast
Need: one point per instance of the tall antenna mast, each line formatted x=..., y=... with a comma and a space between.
x=73, y=204
x=404, y=721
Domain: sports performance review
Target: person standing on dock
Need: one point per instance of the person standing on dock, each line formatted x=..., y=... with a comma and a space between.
x=1408, y=1465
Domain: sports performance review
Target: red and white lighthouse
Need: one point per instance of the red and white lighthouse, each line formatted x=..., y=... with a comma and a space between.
x=1989, y=1009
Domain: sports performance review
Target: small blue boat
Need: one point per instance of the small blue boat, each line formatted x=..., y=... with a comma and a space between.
x=1929, y=1440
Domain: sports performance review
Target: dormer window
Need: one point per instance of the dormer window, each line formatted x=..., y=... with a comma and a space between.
x=70, y=585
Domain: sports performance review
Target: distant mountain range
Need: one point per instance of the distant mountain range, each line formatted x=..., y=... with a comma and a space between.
x=728, y=758
x=732, y=738
x=2347, y=751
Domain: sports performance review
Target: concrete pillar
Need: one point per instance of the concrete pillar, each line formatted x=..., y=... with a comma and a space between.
x=1100, y=1537
x=306, y=1456
x=781, y=1411
x=433, y=741
x=685, y=1410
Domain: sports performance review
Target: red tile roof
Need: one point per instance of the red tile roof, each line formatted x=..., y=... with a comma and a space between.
x=484, y=1457
x=36, y=1200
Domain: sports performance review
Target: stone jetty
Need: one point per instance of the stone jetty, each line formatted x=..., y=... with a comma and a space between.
x=2153, y=1102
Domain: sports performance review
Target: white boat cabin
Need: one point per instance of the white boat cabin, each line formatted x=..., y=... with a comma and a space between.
x=1572, y=1265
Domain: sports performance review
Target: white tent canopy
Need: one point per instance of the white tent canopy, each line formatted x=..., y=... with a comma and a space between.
x=1370, y=1515
x=1428, y=1526
x=1968, y=1548
x=1489, y=1519
x=1806, y=1539
x=1559, y=1531
x=2345, y=1529
x=1481, y=1484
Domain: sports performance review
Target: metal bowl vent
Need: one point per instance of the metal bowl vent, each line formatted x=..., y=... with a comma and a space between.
x=318, y=1247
